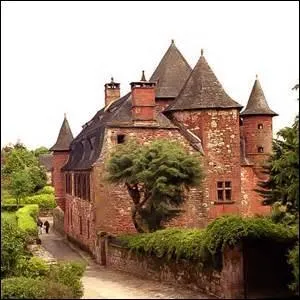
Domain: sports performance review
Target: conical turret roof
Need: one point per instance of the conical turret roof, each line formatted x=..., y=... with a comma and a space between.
x=202, y=90
x=171, y=73
x=257, y=103
x=65, y=137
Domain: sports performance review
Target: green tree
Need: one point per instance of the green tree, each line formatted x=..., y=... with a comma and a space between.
x=282, y=185
x=21, y=185
x=41, y=150
x=156, y=176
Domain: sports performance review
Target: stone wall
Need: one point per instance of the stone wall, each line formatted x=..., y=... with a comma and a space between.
x=227, y=283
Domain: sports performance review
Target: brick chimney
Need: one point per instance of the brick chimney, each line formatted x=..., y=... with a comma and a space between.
x=143, y=100
x=112, y=91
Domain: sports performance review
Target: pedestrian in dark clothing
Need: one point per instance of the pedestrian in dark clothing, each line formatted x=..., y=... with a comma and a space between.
x=47, y=226
x=40, y=225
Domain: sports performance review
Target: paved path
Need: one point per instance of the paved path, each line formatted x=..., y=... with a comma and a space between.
x=103, y=283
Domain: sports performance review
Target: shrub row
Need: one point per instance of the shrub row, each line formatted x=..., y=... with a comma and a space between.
x=48, y=189
x=44, y=201
x=26, y=217
x=10, y=207
x=293, y=260
x=65, y=277
x=206, y=245
x=30, y=288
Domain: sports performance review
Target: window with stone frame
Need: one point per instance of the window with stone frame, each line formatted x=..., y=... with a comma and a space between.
x=224, y=191
x=260, y=126
x=121, y=138
x=260, y=149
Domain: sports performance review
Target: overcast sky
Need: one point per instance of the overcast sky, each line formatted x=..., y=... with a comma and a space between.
x=57, y=56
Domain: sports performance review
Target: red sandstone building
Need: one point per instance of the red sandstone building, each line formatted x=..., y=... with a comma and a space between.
x=187, y=105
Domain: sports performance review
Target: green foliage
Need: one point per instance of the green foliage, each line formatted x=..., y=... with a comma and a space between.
x=283, y=170
x=30, y=288
x=12, y=244
x=48, y=189
x=41, y=150
x=44, y=201
x=19, y=159
x=31, y=267
x=206, y=245
x=70, y=275
x=9, y=217
x=21, y=185
x=293, y=260
x=11, y=206
x=281, y=215
x=156, y=176
x=26, y=217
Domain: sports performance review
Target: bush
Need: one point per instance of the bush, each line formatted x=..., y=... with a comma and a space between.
x=26, y=217
x=48, y=189
x=29, y=288
x=293, y=260
x=206, y=245
x=70, y=275
x=44, y=201
x=32, y=267
x=10, y=207
x=12, y=245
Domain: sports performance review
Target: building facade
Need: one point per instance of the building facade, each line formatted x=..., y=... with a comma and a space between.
x=179, y=103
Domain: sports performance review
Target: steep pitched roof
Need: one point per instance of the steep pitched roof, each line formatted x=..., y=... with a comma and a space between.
x=257, y=103
x=65, y=137
x=46, y=161
x=202, y=90
x=86, y=147
x=171, y=73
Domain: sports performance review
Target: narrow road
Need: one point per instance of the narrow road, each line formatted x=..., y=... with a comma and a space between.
x=103, y=283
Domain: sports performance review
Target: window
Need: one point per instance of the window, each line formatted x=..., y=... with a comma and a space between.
x=68, y=183
x=260, y=126
x=224, y=191
x=82, y=185
x=80, y=224
x=260, y=149
x=120, y=138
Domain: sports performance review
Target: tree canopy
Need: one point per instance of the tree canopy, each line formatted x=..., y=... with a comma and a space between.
x=283, y=170
x=156, y=176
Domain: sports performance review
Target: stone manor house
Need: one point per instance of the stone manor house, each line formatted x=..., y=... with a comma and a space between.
x=179, y=103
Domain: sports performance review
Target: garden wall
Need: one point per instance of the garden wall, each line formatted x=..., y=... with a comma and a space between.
x=227, y=283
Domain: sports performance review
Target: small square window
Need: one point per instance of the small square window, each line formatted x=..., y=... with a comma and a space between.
x=260, y=149
x=224, y=191
x=120, y=138
x=260, y=126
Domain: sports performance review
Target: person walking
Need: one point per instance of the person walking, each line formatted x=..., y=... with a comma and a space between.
x=47, y=226
x=40, y=225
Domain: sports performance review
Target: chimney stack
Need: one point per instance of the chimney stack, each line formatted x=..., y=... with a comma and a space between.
x=143, y=100
x=112, y=92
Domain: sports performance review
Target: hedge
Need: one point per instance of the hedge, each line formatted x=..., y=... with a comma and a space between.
x=206, y=245
x=26, y=217
x=44, y=201
x=34, y=288
x=10, y=207
x=293, y=260
x=46, y=190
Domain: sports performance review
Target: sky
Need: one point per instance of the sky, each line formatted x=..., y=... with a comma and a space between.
x=57, y=56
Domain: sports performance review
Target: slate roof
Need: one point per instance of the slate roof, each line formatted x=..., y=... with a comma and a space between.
x=46, y=160
x=257, y=103
x=65, y=137
x=86, y=147
x=202, y=90
x=171, y=73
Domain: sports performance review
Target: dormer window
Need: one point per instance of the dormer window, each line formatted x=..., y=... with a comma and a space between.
x=121, y=138
x=260, y=149
x=260, y=126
